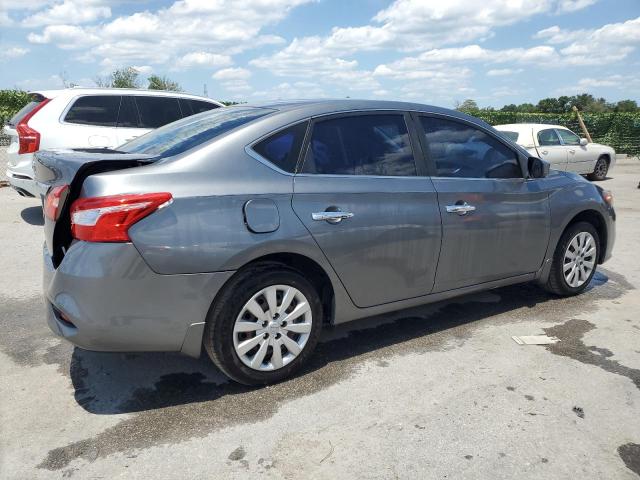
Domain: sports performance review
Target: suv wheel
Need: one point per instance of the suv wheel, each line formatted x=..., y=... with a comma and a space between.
x=264, y=325
x=575, y=260
x=600, y=170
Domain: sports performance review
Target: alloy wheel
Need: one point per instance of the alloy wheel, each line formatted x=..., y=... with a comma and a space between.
x=579, y=259
x=272, y=328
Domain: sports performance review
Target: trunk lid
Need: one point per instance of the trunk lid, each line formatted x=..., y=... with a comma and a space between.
x=71, y=167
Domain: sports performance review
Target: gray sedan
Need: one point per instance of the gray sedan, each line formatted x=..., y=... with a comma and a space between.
x=247, y=229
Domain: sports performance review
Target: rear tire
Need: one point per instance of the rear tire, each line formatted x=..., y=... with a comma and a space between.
x=252, y=311
x=575, y=260
x=600, y=170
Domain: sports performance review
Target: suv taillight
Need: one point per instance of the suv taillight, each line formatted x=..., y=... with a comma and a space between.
x=28, y=138
x=108, y=219
x=54, y=201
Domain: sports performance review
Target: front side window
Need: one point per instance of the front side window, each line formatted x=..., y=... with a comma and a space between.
x=461, y=150
x=157, y=111
x=568, y=137
x=513, y=136
x=361, y=145
x=548, y=138
x=283, y=148
x=188, y=133
x=97, y=110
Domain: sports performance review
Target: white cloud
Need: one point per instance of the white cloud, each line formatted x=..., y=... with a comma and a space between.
x=503, y=72
x=70, y=12
x=143, y=69
x=12, y=52
x=566, y=6
x=222, y=27
x=204, y=59
x=228, y=74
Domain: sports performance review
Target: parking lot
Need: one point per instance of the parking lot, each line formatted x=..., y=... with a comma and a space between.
x=440, y=391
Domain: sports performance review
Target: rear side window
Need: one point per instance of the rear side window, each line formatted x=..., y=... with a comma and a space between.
x=569, y=138
x=548, y=137
x=283, y=148
x=28, y=108
x=361, y=145
x=464, y=151
x=185, y=106
x=190, y=132
x=157, y=111
x=97, y=110
x=513, y=136
x=128, y=115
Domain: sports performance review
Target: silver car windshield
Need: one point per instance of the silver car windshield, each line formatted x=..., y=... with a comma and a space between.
x=185, y=134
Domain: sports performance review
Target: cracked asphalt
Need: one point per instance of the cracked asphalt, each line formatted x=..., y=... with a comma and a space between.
x=440, y=391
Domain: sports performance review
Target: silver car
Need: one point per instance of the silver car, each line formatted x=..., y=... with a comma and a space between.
x=248, y=229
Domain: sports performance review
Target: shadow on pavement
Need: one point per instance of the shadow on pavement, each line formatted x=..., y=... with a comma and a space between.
x=112, y=383
x=33, y=216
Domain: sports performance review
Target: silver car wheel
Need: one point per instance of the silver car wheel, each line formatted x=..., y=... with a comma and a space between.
x=601, y=168
x=272, y=328
x=579, y=259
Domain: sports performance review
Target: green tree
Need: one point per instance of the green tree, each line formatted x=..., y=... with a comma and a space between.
x=467, y=106
x=122, y=78
x=627, y=106
x=550, y=105
x=512, y=107
x=526, y=108
x=157, y=82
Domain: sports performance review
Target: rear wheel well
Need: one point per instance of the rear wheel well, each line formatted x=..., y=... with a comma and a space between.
x=311, y=270
x=595, y=219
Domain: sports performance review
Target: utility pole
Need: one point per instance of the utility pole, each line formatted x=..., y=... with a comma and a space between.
x=205, y=93
x=582, y=125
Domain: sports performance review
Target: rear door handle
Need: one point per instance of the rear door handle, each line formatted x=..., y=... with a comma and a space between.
x=331, y=217
x=572, y=151
x=461, y=209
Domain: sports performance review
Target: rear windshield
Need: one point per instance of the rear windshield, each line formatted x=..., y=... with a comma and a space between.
x=35, y=101
x=185, y=134
x=513, y=136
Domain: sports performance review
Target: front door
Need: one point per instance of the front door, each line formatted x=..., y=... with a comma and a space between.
x=495, y=224
x=551, y=149
x=580, y=160
x=361, y=196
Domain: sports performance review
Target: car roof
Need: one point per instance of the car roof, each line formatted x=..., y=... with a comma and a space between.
x=76, y=91
x=316, y=107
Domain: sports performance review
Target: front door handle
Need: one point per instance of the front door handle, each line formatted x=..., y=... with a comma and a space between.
x=572, y=151
x=461, y=209
x=544, y=152
x=331, y=217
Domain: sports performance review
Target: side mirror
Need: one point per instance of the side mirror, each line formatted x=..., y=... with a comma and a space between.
x=583, y=142
x=537, y=168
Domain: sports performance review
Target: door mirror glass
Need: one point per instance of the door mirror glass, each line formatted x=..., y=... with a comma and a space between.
x=583, y=142
x=537, y=168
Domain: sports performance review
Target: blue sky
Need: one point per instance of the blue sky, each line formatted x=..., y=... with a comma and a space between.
x=431, y=51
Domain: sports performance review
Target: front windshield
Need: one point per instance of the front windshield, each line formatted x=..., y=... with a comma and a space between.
x=185, y=134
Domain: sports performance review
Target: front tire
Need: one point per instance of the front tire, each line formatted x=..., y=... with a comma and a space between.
x=264, y=324
x=575, y=260
x=600, y=170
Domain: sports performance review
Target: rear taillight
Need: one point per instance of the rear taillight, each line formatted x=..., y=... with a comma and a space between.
x=108, y=219
x=29, y=138
x=54, y=201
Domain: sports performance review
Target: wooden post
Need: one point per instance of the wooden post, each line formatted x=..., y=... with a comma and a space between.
x=582, y=125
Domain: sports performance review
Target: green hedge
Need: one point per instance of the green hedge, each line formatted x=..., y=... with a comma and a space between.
x=619, y=130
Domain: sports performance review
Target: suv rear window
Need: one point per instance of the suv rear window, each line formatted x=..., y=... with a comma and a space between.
x=35, y=101
x=283, y=148
x=98, y=110
x=190, y=132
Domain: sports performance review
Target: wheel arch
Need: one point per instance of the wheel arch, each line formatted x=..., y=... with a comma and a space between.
x=596, y=219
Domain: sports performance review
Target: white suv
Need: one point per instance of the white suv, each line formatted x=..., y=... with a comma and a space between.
x=88, y=118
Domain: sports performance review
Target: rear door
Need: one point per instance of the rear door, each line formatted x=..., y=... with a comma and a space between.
x=91, y=120
x=363, y=195
x=551, y=149
x=495, y=224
